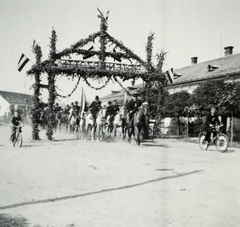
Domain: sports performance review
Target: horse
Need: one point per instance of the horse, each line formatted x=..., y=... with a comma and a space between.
x=74, y=122
x=118, y=121
x=138, y=122
x=58, y=120
x=97, y=130
x=81, y=127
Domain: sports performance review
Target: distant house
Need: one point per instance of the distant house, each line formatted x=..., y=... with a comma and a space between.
x=226, y=68
x=9, y=101
x=121, y=95
x=188, y=78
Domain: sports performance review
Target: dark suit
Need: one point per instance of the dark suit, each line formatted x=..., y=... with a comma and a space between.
x=211, y=119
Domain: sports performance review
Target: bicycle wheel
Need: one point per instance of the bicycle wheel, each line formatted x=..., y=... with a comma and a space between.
x=222, y=143
x=18, y=141
x=202, y=143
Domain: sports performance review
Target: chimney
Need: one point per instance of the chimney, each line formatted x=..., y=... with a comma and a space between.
x=194, y=60
x=228, y=50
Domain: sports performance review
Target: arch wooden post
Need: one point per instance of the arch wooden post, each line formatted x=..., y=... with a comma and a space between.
x=36, y=111
x=51, y=88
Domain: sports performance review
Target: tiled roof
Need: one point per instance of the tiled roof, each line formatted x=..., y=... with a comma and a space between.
x=227, y=66
x=17, y=98
x=119, y=95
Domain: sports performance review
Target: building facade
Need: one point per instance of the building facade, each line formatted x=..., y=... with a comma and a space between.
x=226, y=68
x=9, y=101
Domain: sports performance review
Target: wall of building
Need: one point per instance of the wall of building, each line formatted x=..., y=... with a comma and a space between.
x=4, y=109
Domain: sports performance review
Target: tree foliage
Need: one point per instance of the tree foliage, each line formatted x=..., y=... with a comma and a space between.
x=177, y=103
x=224, y=95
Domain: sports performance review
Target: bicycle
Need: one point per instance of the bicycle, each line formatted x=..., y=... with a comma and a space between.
x=220, y=140
x=18, y=136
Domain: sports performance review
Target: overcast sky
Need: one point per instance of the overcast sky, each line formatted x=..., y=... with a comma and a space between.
x=183, y=28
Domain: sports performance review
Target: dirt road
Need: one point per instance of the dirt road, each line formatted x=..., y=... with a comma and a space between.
x=70, y=182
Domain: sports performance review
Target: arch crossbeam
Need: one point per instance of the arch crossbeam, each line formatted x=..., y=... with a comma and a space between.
x=109, y=48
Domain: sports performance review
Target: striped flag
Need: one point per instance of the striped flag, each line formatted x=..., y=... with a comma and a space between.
x=22, y=62
x=83, y=102
x=125, y=98
x=34, y=43
x=170, y=75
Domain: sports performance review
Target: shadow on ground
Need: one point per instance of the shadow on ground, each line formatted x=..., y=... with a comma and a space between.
x=98, y=192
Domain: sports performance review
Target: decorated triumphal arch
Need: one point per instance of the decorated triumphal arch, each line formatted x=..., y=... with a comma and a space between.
x=103, y=70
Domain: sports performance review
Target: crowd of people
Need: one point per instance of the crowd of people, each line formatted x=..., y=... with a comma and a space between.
x=111, y=110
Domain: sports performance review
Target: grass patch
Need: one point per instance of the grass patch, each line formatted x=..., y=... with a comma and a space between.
x=7, y=220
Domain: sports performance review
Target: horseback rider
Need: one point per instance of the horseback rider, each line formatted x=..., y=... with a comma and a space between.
x=57, y=108
x=112, y=111
x=67, y=110
x=71, y=110
x=116, y=107
x=133, y=107
x=95, y=108
x=109, y=109
x=76, y=108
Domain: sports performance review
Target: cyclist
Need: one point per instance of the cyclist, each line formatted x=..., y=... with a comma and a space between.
x=16, y=120
x=211, y=120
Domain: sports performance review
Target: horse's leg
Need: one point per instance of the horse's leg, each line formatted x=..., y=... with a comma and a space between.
x=93, y=133
x=97, y=132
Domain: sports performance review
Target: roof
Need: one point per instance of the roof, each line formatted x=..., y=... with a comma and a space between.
x=225, y=66
x=17, y=98
x=120, y=94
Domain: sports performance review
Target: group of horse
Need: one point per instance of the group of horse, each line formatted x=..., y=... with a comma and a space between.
x=121, y=126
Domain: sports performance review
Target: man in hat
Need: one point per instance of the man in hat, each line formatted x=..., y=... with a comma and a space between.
x=94, y=108
x=16, y=120
x=109, y=109
x=76, y=108
x=211, y=121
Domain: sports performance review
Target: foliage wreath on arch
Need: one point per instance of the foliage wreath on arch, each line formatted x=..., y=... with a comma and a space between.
x=56, y=65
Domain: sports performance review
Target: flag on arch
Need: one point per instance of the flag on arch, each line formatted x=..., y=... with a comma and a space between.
x=170, y=75
x=83, y=102
x=22, y=62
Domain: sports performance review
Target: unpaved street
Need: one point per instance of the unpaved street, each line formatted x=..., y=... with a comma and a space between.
x=70, y=182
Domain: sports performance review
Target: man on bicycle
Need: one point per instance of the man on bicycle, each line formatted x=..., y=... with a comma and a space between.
x=16, y=120
x=211, y=120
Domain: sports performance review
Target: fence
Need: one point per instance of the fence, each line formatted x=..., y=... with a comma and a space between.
x=181, y=131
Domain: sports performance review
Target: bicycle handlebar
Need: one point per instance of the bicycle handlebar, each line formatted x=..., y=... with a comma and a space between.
x=18, y=126
x=216, y=127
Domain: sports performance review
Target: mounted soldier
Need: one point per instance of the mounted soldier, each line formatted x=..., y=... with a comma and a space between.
x=94, y=108
x=112, y=110
x=133, y=107
x=71, y=110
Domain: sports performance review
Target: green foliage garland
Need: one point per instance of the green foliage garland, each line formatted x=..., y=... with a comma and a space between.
x=51, y=88
x=52, y=68
x=36, y=111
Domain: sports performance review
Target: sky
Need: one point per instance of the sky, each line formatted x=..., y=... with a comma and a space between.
x=182, y=28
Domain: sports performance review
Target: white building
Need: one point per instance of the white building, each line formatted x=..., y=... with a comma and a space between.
x=9, y=101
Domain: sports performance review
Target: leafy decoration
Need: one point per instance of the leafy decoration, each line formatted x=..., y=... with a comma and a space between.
x=149, y=75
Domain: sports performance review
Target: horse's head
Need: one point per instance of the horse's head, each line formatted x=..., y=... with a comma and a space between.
x=144, y=107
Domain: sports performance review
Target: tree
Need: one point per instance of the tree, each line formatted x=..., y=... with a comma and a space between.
x=177, y=105
x=230, y=100
x=207, y=94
